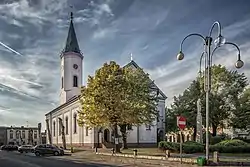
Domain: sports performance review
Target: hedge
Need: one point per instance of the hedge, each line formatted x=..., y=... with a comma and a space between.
x=234, y=142
x=230, y=149
x=190, y=147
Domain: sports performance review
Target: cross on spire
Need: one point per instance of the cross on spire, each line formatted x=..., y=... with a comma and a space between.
x=71, y=13
x=131, y=56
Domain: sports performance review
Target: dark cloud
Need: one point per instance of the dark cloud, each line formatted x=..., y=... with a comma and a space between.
x=107, y=30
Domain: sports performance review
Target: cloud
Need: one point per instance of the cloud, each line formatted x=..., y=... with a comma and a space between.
x=96, y=13
x=106, y=30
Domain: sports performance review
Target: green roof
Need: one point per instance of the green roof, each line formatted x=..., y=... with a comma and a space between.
x=71, y=43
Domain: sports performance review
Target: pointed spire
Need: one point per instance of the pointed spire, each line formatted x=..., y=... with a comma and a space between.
x=71, y=43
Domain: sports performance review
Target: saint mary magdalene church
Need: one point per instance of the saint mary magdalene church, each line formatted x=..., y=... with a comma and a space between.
x=66, y=114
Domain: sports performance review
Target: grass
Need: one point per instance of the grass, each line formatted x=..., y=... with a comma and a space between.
x=145, y=151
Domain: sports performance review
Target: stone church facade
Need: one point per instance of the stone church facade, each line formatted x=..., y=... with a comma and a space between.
x=75, y=135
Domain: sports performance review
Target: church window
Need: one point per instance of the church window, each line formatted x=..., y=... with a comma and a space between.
x=75, y=81
x=87, y=131
x=75, y=123
x=62, y=82
x=148, y=127
x=54, y=128
x=60, y=129
x=67, y=125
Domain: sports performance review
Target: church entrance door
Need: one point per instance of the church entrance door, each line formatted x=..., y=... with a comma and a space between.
x=106, y=135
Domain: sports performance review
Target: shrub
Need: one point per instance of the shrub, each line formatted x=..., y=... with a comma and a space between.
x=188, y=147
x=243, y=139
x=234, y=142
x=163, y=145
x=216, y=139
x=229, y=149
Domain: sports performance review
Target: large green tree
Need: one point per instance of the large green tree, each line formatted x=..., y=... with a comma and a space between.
x=186, y=105
x=241, y=115
x=226, y=86
x=117, y=96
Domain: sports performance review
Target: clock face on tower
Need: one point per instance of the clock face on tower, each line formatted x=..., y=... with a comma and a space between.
x=75, y=66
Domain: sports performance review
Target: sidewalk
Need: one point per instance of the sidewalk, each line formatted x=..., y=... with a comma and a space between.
x=91, y=156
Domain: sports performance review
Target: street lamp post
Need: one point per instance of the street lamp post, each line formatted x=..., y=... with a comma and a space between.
x=208, y=43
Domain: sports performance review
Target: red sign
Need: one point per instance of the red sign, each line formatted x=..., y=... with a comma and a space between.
x=181, y=122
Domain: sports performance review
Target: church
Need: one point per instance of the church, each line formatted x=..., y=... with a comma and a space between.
x=67, y=113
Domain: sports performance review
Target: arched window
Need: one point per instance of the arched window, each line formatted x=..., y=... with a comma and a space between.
x=67, y=125
x=75, y=122
x=23, y=134
x=54, y=128
x=75, y=81
x=17, y=134
x=87, y=131
x=11, y=134
x=62, y=82
x=60, y=129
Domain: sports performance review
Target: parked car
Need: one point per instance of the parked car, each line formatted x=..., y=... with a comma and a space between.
x=9, y=147
x=44, y=149
x=26, y=148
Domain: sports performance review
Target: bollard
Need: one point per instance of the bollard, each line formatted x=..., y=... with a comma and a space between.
x=215, y=157
x=96, y=149
x=135, y=152
x=113, y=151
x=72, y=149
x=167, y=153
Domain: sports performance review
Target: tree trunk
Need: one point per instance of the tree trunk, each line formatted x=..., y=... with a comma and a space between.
x=214, y=127
x=116, y=137
x=124, y=135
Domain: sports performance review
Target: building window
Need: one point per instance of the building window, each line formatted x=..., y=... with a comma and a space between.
x=148, y=127
x=62, y=82
x=11, y=134
x=17, y=134
x=23, y=134
x=67, y=125
x=75, y=123
x=75, y=81
x=54, y=128
x=129, y=127
x=35, y=134
x=87, y=131
x=60, y=129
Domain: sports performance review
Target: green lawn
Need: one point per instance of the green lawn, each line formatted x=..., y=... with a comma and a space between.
x=145, y=151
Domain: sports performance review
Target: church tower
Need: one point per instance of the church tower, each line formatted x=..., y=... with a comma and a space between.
x=71, y=66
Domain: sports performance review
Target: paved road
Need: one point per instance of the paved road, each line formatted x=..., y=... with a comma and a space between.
x=13, y=159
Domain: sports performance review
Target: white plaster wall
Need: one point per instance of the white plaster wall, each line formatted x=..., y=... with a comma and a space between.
x=132, y=135
x=69, y=60
x=90, y=137
x=62, y=92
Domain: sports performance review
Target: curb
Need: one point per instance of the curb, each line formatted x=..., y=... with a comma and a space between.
x=185, y=160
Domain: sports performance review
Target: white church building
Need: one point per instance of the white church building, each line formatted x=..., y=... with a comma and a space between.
x=70, y=89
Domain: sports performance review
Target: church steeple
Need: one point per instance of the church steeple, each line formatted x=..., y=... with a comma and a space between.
x=71, y=43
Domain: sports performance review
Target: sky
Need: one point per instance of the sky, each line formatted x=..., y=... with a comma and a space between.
x=33, y=34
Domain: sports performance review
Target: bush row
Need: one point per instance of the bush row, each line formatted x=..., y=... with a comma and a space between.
x=231, y=146
x=188, y=147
